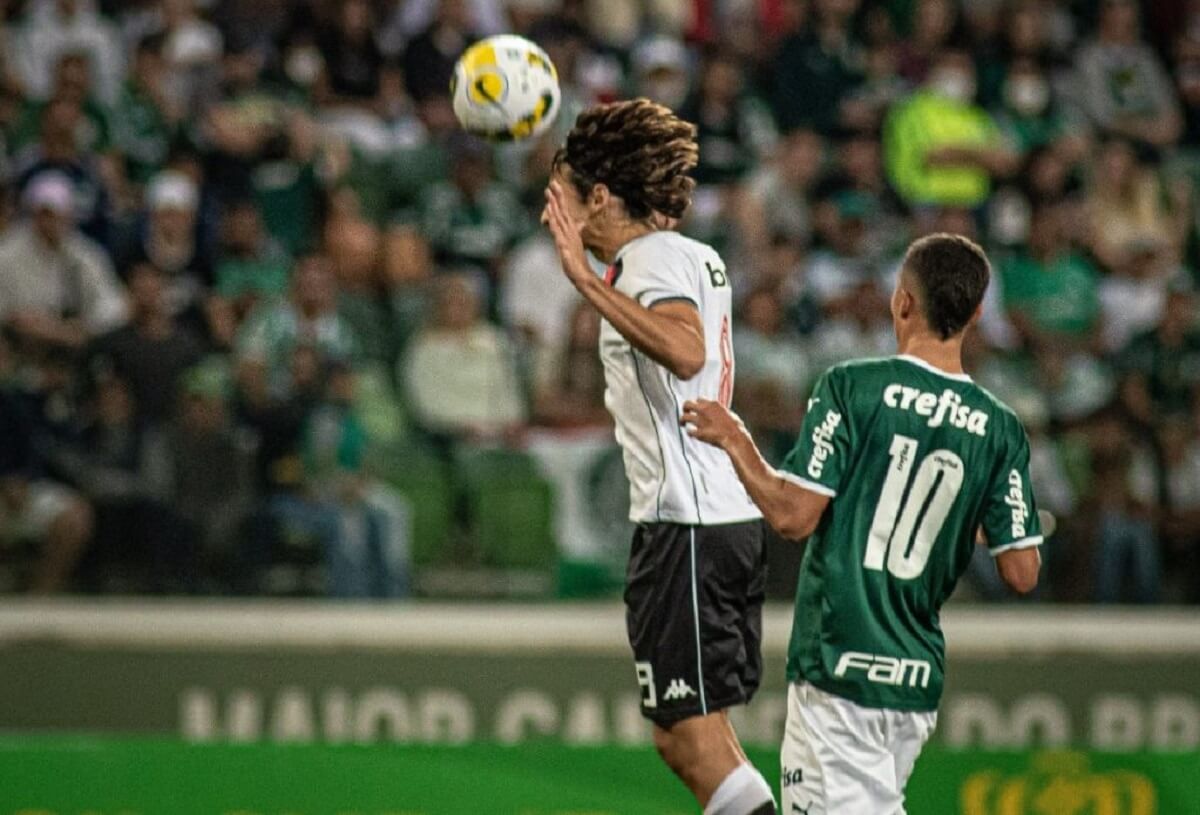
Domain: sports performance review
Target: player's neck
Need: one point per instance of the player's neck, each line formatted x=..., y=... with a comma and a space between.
x=607, y=248
x=945, y=355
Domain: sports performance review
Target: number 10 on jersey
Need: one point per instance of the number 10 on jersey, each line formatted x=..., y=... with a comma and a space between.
x=924, y=509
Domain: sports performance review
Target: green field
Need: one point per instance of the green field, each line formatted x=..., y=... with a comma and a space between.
x=83, y=776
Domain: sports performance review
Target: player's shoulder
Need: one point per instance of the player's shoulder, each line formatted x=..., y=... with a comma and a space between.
x=1005, y=416
x=666, y=246
x=862, y=371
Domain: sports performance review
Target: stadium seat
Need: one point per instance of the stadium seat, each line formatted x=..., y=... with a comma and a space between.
x=511, y=509
x=423, y=480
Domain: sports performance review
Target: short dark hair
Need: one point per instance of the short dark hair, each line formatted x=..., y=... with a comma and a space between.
x=953, y=273
x=640, y=150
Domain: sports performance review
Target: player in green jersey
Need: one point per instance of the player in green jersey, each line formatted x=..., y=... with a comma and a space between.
x=902, y=465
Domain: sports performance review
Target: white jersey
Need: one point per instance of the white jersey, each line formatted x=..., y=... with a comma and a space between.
x=672, y=477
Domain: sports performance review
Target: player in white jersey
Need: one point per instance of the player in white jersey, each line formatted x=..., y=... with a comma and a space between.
x=696, y=570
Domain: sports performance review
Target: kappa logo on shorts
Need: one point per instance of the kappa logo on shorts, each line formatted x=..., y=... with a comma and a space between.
x=678, y=689
x=796, y=808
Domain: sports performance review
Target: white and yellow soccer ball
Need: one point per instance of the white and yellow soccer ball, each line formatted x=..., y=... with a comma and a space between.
x=505, y=88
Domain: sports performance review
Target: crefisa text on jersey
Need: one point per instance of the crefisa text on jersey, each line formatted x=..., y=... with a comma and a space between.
x=822, y=448
x=948, y=407
x=1016, y=502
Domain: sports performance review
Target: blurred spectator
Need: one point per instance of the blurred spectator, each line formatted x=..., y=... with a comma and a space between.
x=352, y=61
x=859, y=327
x=616, y=22
x=934, y=22
x=275, y=330
x=1132, y=299
x=1050, y=292
x=857, y=174
x=366, y=558
x=251, y=265
x=1127, y=214
x=261, y=140
x=569, y=381
x=145, y=121
x=192, y=47
x=58, y=149
x=777, y=193
x=1162, y=365
x=866, y=106
x=209, y=476
x=119, y=468
x=1030, y=116
x=53, y=27
x=815, y=68
x=460, y=371
x=847, y=268
x=151, y=352
x=1126, y=559
x=734, y=130
x=471, y=219
x=661, y=71
x=943, y=150
x=430, y=56
x=537, y=299
x=351, y=241
x=168, y=237
x=1024, y=41
x=783, y=270
x=57, y=288
x=773, y=373
x=1124, y=88
x=44, y=526
x=72, y=84
x=353, y=245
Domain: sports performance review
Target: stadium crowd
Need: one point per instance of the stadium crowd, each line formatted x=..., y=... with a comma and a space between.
x=248, y=263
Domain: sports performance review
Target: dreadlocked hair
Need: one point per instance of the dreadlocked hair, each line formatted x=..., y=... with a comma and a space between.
x=640, y=150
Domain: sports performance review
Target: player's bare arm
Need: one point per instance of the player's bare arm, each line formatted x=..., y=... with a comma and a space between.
x=671, y=333
x=790, y=509
x=1019, y=568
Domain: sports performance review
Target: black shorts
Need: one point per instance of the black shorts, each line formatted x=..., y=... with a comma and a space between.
x=693, y=608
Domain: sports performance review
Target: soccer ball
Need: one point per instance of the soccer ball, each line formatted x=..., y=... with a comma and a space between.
x=505, y=88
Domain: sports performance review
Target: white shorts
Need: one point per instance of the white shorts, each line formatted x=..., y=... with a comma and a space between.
x=840, y=758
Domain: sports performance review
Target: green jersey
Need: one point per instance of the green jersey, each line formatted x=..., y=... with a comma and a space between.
x=915, y=460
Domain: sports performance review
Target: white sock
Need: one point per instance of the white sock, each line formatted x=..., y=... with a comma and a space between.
x=743, y=791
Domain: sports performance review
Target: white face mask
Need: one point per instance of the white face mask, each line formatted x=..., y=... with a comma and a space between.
x=1027, y=95
x=303, y=65
x=956, y=85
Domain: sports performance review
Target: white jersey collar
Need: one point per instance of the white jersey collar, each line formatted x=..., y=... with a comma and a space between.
x=920, y=363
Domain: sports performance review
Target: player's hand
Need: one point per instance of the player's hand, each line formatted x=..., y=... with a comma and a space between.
x=566, y=232
x=711, y=422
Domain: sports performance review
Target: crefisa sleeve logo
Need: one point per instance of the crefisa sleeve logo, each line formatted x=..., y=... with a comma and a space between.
x=1016, y=502
x=822, y=439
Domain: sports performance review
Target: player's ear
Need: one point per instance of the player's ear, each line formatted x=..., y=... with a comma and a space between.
x=599, y=197
x=905, y=303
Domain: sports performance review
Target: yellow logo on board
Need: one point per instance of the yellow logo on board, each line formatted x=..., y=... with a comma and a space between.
x=1059, y=784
